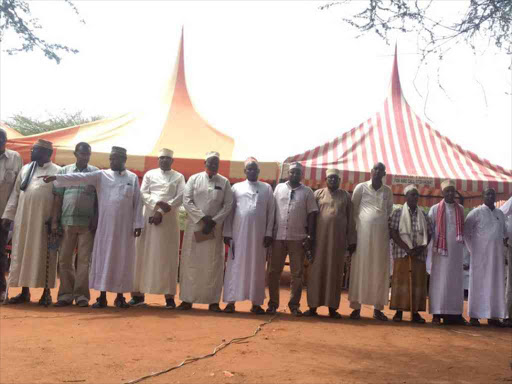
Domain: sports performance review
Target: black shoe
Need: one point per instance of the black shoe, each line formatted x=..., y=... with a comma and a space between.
x=257, y=310
x=333, y=314
x=356, y=314
x=19, y=299
x=398, y=316
x=82, y=303
x=214, y=308
x=416, y=318
x=136, y=301
x=230, y=308
x=474, y=322
x=436, y=320
x=184, y=306
x=496, y=323
x=296, y=312
x=100, y=303
x=379, y=315
x=170, y=304
x=120, y=302
x=271, y=310
x=311, y=312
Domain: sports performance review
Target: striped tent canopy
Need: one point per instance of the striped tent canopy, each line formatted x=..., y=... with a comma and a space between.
x=170, y=121
x=413, y=152
x=11, y=133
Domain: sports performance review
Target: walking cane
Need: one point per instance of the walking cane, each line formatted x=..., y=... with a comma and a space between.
x=48, y=245
x=410, y=286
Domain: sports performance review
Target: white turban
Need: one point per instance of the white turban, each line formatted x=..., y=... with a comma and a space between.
x=332, y=171
x=212, y=154
x=409, y=188
x=165, y=152
x=447, y=183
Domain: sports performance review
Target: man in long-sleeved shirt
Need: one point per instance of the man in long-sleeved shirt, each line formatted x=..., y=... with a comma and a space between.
x=208, y=200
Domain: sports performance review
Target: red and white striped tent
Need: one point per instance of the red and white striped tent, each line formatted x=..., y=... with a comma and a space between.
x=11, y=133
x=169, y=121
x=413, y=152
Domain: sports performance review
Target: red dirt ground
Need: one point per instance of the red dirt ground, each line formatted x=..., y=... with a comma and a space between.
x=75, y=345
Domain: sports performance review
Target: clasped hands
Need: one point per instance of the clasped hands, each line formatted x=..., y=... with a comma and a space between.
x=157, y=217
x=416, y=251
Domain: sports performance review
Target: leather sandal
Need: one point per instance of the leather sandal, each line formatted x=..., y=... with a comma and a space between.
x=398, y=316
x=333, y=314
x=416, y=318
x=271, y=310
x=356, y=314
x=379, y=315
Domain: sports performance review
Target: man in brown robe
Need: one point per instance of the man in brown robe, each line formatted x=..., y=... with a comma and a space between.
x=335, y=229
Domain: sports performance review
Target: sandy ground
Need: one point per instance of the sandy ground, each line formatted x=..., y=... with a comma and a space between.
x=83, y=345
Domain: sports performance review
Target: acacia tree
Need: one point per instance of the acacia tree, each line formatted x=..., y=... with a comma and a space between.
x=16, y=16
x=27, y=125
x=487, y=19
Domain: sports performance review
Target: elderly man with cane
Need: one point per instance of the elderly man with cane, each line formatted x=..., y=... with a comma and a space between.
x=410, y=230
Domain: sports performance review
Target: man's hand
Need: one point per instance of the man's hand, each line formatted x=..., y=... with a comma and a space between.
x=208, y=227
x=505, y=241
x=137, y=232
x=164, y=206
x=227, y=241
x=157, y=218
x=351, y=249
x=465, y=267
x=6, y=224
x=267, y=241
x=48, y=179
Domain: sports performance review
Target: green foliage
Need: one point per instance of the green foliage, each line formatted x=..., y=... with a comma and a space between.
x=30, y=126
x=16, y=16
x=488, y=19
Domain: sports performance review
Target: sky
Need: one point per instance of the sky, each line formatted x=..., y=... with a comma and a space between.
x=279, y=77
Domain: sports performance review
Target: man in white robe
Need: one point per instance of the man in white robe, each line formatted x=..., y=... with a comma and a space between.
x=208, y=200
x=248, y=233
x=369, y=273
x=120, y=221
x=507, y=211
x=157, y=248
x=30, y=206
x=485, y=234
x=446, y=290
x=10, y=167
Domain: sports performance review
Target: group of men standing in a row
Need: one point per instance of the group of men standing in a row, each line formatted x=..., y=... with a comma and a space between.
x=127, y=239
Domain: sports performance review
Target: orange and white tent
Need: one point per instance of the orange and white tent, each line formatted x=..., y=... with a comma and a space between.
x=413, y=152
x=171, y=121
x=11, y=133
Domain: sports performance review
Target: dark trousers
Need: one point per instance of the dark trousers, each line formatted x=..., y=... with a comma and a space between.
x=3, y=259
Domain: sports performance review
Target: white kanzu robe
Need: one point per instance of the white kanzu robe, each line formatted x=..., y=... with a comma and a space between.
x=484, y=231
x=157, y=249
x=120, y=213
x=251, y=219
x=202, y=264
x=369, y=273
x=30, y=210
x=446, y=291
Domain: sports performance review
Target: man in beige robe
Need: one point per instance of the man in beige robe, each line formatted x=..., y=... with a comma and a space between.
x=157, y=248
x=369, y=273
x=30, y=206
x=335, y=232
